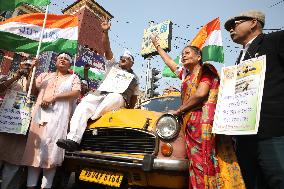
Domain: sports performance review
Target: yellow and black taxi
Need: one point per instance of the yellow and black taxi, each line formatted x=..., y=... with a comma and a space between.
x=134, y=147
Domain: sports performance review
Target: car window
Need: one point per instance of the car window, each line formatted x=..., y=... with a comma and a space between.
x=163, y=104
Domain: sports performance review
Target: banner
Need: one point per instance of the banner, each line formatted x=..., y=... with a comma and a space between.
x=95, y=61
x=117, y=81
x=239, y=99
x=15, y=112
x=164, y=33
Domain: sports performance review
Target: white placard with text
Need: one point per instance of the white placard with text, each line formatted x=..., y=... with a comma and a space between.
x=239, y=99
x=117, y=81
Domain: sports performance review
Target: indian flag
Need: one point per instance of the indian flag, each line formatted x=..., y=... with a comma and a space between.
x=209, y=39
x=12, y=4
x=22, y=33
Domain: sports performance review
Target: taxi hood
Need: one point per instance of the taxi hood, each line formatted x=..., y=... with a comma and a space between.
x=127, y=118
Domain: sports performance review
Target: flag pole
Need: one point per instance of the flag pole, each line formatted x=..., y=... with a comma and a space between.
x=38, y=51
x=74, y=67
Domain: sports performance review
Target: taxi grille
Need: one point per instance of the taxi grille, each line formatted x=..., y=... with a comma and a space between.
x=121, y=140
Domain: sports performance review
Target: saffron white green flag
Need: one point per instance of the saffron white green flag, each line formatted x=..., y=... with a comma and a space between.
x=209, y=40
x=22, y=33
x=12, y=4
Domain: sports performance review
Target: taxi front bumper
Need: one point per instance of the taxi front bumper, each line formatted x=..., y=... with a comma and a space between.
x=147, y=163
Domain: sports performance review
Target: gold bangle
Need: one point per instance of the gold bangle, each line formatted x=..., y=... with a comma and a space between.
x=180, y=111
x=158, y=46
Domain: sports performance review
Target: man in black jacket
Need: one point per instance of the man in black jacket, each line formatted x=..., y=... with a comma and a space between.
x=262, y=155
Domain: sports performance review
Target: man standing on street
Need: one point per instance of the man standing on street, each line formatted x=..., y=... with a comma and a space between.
x=12, y=146
x=262, y=155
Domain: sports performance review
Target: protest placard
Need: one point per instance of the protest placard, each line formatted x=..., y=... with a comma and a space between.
x=239, y=99
x=117, y=81
x=163, y=31
x=15, y=112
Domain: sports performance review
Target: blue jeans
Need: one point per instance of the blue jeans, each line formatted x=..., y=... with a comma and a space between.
x=261, y=161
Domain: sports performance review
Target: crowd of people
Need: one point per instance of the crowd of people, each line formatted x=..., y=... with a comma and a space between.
x=253, y=161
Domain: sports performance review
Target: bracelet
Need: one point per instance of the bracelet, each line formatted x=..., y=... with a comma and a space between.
x=158, y=46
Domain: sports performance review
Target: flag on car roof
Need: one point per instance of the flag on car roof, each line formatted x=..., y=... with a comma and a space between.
x=209, y=40
x=22, y=33
x=12, y=4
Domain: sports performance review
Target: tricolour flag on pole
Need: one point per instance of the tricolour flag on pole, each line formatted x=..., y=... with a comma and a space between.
x=12, y=4
x=209, y=40
x=22, y=33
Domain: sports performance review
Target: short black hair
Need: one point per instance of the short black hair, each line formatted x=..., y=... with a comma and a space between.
x=131, y=57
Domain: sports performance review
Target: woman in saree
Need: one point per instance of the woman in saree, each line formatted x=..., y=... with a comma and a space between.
x=58, y=92
x=199, y=91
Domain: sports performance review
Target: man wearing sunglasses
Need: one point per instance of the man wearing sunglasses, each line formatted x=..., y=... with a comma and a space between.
x=96, y=104
x=261, y=156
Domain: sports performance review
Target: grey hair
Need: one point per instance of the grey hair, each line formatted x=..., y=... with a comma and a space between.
x=196, y=50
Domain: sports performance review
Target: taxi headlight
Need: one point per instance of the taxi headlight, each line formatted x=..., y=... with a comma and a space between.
x=167, y=127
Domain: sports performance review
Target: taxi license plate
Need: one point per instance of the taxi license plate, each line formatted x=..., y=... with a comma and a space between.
x=101, y=177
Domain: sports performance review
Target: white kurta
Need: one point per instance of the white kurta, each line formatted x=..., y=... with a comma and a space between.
x=41, y=150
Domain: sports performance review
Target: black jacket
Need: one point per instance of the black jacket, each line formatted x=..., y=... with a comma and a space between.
x=272, y=108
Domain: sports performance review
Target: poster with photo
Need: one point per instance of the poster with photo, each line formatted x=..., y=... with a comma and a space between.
x=15, y=112
x=239, y=99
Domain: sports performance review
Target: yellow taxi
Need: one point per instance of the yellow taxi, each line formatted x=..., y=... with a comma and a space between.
x=134, y=147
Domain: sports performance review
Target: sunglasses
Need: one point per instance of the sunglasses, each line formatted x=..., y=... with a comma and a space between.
x=125, y=58
x=238, y=22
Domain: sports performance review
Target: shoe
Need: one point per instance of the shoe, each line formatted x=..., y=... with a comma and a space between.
x=68, y=145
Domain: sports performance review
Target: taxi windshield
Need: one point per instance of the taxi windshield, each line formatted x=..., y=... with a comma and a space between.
x=163, y=104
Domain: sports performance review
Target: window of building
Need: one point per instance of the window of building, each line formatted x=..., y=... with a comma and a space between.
x=21, y=12
x=6, y=14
